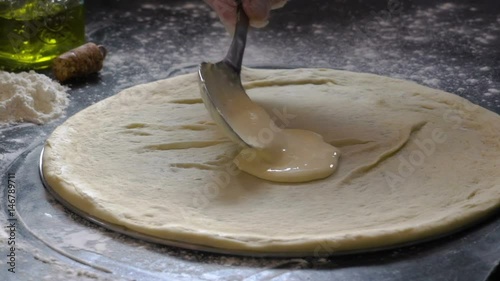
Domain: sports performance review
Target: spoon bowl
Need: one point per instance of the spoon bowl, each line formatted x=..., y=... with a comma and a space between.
x=220, y=84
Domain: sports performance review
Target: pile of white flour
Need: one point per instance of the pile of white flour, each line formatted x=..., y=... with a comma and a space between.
x=30, y=97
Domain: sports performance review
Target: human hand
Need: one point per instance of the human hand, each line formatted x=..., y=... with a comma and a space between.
x=257, y=11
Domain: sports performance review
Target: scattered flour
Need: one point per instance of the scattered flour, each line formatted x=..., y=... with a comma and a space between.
x=3, y=234
x=434, y=82
x=30, y=97
x=63, y=272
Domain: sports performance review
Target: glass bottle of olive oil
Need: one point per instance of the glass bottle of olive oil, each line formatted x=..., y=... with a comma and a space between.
x=33, y=32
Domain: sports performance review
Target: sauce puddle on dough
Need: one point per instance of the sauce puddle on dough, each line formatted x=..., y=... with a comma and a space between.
x=293, y=156
x=275, y=154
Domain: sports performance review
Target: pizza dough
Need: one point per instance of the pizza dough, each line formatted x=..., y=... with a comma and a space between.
x=416, y=162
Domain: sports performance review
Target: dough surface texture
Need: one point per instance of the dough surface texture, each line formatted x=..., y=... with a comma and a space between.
x=415, y=162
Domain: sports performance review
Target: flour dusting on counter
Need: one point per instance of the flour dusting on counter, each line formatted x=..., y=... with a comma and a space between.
x=3, y=234
x=30, y=97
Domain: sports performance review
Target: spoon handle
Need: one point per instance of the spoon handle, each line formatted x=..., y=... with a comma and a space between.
x=234, y=56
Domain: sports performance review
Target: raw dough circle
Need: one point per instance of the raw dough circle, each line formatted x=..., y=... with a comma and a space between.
x=416, y=162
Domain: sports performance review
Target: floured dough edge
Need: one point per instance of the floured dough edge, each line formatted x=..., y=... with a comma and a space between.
x=336, y=243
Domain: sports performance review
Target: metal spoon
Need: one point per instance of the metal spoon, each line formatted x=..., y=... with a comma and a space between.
x=221, y=89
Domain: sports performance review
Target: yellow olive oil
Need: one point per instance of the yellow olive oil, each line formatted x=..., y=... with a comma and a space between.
x=32, y=35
